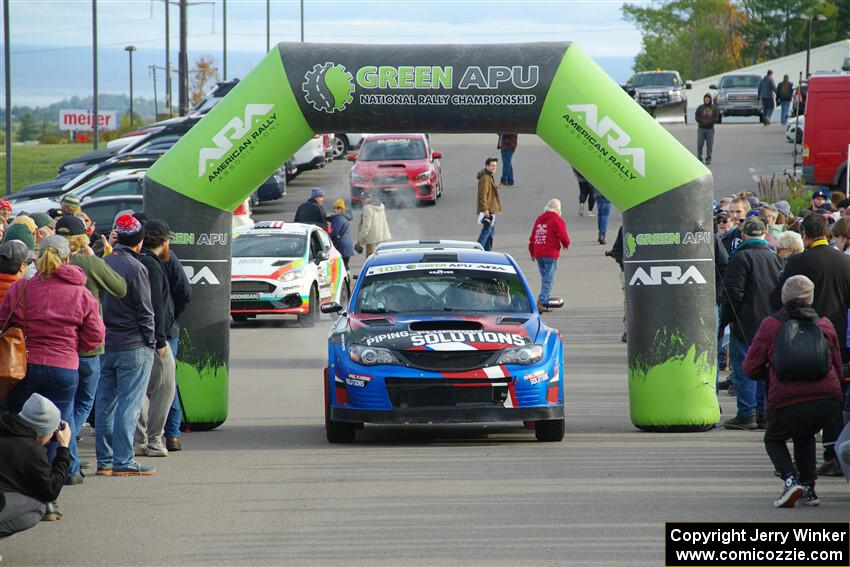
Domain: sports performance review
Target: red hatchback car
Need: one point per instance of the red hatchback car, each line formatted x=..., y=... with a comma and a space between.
x=397, y=167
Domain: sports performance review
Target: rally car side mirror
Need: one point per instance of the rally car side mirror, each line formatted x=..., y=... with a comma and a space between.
x=331, y=308
x=553, y=303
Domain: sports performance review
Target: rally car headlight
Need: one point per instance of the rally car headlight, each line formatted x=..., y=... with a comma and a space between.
x=424, y=176
x=523, y=355
x=359, y=178
x=292, y=275
x=371, y=356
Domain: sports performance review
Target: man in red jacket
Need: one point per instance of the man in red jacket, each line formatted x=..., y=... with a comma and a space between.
x=547, y=237
x=797, y=406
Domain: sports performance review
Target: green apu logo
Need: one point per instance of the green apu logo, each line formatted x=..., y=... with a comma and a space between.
x=328, y=87
x=633, y=241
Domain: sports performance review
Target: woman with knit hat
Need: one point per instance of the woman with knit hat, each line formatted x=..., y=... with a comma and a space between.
x=58, y=316
x=341, y=231
x=5, y=210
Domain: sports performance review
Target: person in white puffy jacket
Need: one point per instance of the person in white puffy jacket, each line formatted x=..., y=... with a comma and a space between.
x=373, y=224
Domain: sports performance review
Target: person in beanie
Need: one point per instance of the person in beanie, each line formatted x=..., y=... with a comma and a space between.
x=126, y=365
x=70, y=204
x=488, y=203
x=312, y=211
x=22, y=234
x=796, y=409
x=59, y=317
x=374, y=228
x=100, y=278
x=341, y=231
x=181, y=296
x=29, y=482
x=707, y=116
x=829, y=269
x=14, y=257
x=548, y=236
x=5, y=210
x=750, y=275
x=507, y=145
x=27, y=221
x=45, y=226
x=160, y=388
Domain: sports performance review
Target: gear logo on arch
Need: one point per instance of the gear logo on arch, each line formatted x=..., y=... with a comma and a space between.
x=328, y=88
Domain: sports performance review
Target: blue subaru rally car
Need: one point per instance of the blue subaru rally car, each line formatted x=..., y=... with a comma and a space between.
x=442, y=336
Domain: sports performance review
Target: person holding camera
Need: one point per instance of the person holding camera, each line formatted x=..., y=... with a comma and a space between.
x=29, y=482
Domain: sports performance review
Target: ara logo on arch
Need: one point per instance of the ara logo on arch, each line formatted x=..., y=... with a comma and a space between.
x=243, y=130
x=203, y=276
x=609, y=139
x=669, y=275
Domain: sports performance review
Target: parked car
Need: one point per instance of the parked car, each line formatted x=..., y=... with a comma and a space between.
x=122, y=182
x=795, y=128
x=737, y=95
x=826, y=138
x=343, y=143
x=661, y=93
x=160, y=138
x=54, y=189
x=285, y=268
x=400, y=167
x=311, y=155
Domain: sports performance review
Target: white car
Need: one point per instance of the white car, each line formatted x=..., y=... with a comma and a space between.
x=311, y=155
x=122, y=182
x=345, y=142
x=798, y=122
x=285, y=268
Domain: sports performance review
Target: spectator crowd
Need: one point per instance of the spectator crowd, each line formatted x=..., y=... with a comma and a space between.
x=99, y=317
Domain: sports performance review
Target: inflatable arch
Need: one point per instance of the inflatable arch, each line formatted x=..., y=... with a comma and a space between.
x=553, y=90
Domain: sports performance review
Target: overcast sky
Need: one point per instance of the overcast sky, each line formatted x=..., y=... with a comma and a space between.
x=55, y=33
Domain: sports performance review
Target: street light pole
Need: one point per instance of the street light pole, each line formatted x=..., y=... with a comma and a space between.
x=95, y=128
x=224, y=35
x=820, y=18
x=302, y=21
x=268, y=25
x=7, y=70
x=183, y=62
x=130, y=49
x=167, y=59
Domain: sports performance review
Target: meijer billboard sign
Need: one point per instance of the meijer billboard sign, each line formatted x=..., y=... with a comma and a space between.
x=82, y=120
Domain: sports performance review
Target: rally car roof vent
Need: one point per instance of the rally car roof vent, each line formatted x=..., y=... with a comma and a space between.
x=512, y=320
x=377, y=321
x=440, y=257
x=447, y=325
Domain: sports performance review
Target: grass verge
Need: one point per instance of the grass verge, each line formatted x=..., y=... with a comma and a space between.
x=34, y=163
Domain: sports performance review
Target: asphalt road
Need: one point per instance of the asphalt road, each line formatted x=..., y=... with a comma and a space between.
x=265, y=488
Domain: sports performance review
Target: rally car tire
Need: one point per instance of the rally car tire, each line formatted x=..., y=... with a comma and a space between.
x=309, y=319
x=549, y=430
x=337, y=431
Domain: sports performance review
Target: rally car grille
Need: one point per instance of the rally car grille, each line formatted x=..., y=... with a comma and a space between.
x=251, y=286
x=420, y=393
x=448, y=361
x=390, y=180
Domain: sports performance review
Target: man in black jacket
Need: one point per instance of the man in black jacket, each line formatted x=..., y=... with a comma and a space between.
x=707, y=116
x=313, y=211
x=750, y=277
x=829, y=269
x=181, y=295
x=160, y=389
x=738, y=209
x=29, y=483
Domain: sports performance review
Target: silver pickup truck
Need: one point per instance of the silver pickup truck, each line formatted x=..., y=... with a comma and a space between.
x=737, y=95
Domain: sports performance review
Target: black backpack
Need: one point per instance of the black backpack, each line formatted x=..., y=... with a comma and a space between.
x=801, y=352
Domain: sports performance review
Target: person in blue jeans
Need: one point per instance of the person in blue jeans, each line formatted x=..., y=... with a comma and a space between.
x=603, y=212
x=507, y=145
x=126, y=365
x=548, y=236
x=181, y=295
x=488, y=203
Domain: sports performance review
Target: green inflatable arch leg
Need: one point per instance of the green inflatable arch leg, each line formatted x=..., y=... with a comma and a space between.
x=552, y=89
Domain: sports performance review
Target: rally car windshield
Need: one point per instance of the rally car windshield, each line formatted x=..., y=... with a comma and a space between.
x=449, y=290
x=393, y=149
x=270, y=245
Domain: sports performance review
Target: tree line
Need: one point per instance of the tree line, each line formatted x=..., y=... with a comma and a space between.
x=700, y=38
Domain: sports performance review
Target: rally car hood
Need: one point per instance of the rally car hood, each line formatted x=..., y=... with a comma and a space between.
x=252, y=266
x=410, y=168
x=443, y=332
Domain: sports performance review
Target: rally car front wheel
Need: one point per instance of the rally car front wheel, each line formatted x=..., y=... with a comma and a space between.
x=336, y=431
x=309, y=319
x=549, y=430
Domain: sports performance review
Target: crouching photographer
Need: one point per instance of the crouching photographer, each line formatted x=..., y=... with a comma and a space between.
x=29, y=483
